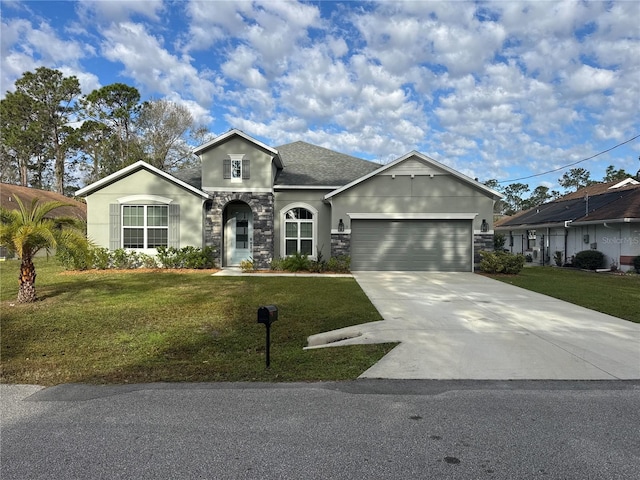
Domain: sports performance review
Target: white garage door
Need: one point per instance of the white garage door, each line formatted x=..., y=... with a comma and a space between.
x=413, y=245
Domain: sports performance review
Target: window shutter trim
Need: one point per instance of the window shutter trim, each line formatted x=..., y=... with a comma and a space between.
x=226, y=168
x=114, y=226
x=245, y=169
x=174, y=225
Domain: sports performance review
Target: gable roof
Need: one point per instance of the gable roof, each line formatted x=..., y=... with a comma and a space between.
x=620, y=204
x=310, y=165
x=239, y=133
x=139, y=165
x=9, y=192
x=428, y=160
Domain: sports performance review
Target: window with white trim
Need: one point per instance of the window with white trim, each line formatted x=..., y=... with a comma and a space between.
x=145, y=226
x=236, y=170
x=299, y=231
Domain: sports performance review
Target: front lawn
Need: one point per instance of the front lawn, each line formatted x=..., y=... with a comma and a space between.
x=617, y=295
x=107, y=327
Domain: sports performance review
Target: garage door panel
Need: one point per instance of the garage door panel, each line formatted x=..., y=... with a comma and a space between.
x=411, y=245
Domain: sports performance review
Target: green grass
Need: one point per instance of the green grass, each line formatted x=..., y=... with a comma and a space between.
x=107, y=327
x=617, y=295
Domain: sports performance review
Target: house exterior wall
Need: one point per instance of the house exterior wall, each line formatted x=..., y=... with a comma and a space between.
x=617, y=241
x=139, y=188
x=261, y=168
x=421, y=194
x=313, y=198
x=542, y=249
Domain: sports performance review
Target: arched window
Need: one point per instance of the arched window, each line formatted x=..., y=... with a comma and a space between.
x=299, y=235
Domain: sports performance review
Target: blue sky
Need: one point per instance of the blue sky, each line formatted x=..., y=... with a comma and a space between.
x=493, y=89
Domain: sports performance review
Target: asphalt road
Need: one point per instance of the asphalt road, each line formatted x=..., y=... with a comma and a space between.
x=365, y=429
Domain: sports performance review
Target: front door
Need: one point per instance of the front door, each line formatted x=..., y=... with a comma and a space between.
x=238, y=234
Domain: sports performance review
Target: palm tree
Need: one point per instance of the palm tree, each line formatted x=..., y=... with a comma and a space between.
x=28, y=230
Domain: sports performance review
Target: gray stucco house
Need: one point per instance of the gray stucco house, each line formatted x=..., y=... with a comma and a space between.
x=251, y=200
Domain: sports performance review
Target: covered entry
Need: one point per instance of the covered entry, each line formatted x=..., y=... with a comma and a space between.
x=412, y=244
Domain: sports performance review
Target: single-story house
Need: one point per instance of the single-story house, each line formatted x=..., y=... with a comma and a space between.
x=252, y=200
x=9, y=193
x=604, y=217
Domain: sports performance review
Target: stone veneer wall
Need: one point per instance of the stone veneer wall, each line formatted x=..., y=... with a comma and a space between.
x=482, y=241
x=340, y=244
x=262, y=206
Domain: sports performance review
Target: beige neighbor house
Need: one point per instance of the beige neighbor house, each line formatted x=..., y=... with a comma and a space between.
x=251, y=200
x=604, y=217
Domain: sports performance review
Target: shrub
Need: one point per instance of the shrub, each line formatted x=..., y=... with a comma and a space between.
x=339, y=264
x=499, y=240
x=148, y=261
x=276, y=264
x=513, y=264
x=100, y=258
x=186, y=257
x=557, y=258
x=247, y=265
x=124, y=259
x=589, y=259
x=317, y=266
x=296, y=263
x=501, y=262
x=73, y=259
x=636, y=263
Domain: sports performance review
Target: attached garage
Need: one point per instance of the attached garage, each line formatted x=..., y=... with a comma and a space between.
x=412, y=244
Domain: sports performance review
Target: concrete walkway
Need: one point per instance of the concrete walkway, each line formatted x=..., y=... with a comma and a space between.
x=466, y=326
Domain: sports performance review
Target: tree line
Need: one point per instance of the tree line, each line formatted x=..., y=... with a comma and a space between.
x=54, y=138
x=515, y=199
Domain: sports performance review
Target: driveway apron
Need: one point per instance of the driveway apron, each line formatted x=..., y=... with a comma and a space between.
x=466, y=326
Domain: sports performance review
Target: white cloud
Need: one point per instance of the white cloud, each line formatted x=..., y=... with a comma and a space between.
x=488, y=87
x=588, y=79
x=106, y=11
x=151, y=66
x=25, y=47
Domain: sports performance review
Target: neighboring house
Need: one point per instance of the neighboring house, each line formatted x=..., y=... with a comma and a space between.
x=9, y=192
x=251, y=200
x=604, y=217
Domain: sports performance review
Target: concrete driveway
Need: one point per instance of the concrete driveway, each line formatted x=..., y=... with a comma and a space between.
x=466, y=326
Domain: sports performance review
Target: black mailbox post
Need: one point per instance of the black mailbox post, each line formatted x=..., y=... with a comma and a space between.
x=267, y=315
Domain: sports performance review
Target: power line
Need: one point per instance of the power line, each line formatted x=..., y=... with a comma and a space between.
x=570, y=164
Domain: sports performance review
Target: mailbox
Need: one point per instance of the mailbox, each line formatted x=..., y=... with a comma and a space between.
x=267, y=314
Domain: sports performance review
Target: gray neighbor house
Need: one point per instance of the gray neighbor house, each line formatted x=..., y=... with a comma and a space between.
x=603, y=217
x=251, y=200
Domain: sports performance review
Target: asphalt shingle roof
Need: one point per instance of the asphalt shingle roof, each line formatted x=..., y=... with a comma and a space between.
x=615, y=204
x=190, y=176
x=307, y=164
x=8, y=192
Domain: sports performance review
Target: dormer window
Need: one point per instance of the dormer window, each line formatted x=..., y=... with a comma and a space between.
x=236, y=168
